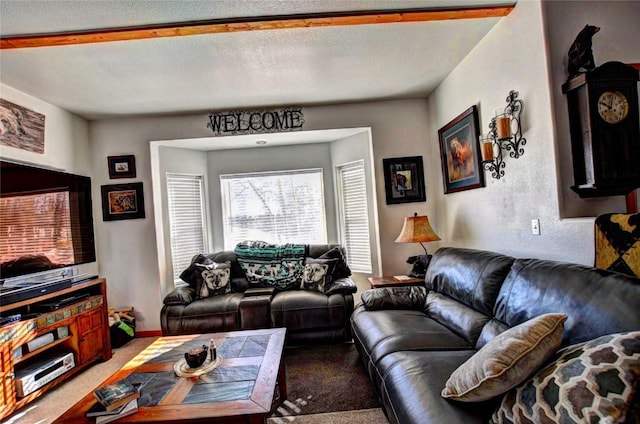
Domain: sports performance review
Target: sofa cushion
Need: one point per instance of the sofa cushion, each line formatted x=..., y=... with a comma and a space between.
x=472, y=277
x=309, y=310
x=597, y=302
x=507, y=360
x=458, y=317
x=383, y=332
x=212, y=279
x=318, y=274
x=591, y=382
x=210, y=315
x=410, y=394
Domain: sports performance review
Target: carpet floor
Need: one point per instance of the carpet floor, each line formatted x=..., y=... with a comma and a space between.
x=325, y=378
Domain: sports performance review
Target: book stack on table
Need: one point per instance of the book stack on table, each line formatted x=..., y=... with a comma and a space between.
x=114, y=401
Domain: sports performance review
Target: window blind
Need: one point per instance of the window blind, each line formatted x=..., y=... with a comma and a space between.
x=275, y=207
x=354, y=216
x=38, y=222
x=186, y=219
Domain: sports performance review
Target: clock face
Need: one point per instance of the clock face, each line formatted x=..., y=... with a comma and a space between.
x=613, y=106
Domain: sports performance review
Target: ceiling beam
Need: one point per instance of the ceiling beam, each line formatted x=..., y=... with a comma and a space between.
x=251, y=24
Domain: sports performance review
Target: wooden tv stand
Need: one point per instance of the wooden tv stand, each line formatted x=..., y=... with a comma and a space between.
x=88, y=337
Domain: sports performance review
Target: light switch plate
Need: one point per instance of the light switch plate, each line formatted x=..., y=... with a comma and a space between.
x=535, y=227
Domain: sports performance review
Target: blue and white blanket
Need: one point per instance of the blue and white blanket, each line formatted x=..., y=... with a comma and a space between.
x=272, y=265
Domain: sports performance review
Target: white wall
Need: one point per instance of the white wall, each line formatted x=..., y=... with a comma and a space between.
x=618, y=40
x=498, y=217
x=66, y=136
x=66, y=143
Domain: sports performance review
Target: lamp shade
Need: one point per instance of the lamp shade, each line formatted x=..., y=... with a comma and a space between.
x=416, y=229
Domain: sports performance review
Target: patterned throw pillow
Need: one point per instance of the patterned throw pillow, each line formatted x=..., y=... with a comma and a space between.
x=591, y=382
x=507, y=360
x=213, y=279
x=190, y=274
x=318, y=274
x=342, y=268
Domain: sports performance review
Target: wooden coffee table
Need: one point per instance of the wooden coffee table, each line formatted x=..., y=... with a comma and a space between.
x=240, y=390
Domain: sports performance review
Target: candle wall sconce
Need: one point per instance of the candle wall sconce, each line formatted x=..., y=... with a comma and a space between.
x=505, y=134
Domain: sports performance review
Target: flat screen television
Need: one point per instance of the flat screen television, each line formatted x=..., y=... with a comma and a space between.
x=46, y=220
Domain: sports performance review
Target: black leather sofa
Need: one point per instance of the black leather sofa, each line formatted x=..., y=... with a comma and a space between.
x=309, y=316
x=411, y=339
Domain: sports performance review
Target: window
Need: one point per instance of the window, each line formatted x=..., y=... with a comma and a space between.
x=186, y=219
x=275, y=207
x=354, y=215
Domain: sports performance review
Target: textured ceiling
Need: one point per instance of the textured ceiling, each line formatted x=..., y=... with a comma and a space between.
x=229, y=71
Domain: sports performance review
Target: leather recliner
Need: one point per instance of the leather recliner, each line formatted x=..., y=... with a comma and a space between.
x=309, y=316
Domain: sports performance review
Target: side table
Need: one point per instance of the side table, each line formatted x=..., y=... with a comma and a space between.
x=391, y=281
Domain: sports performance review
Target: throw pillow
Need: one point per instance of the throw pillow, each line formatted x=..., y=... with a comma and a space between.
x=591, y=382
x=318, y=274
x=507, y=360
x=190, y=274
x=342, y=269
x=213, y=279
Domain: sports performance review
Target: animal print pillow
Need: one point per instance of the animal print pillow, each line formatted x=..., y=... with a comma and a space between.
x=213, y=279
x=190, y=274
x=318, y=274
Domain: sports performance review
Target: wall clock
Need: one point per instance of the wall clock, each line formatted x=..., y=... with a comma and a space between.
x=605, y=130
x=613, y=106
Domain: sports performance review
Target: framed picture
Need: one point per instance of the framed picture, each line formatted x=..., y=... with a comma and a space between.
x=122, y=166
x=404, y=180
x=22, y=128
x=122, y=201
x=460, y=153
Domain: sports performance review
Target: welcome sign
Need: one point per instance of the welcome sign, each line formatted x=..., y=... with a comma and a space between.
x=256, y=122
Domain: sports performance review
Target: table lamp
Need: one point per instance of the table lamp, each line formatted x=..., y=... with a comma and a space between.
x=416, y=229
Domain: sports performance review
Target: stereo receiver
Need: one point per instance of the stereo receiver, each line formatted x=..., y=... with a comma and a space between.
x=41, y=372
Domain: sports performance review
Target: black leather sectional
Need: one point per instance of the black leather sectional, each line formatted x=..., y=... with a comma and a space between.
x=412, y=339
x=309, y=316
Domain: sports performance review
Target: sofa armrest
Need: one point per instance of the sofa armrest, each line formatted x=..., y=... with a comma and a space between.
x=342, y=286
x=181, y=295
x=259, y=291
x=412, y=297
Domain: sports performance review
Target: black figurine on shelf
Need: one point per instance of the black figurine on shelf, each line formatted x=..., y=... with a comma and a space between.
x=580, y=53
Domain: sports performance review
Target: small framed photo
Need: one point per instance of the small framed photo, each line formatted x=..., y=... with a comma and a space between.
x=122, y=201
x=459, y=153
x=404, y=180
x=122, y=166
